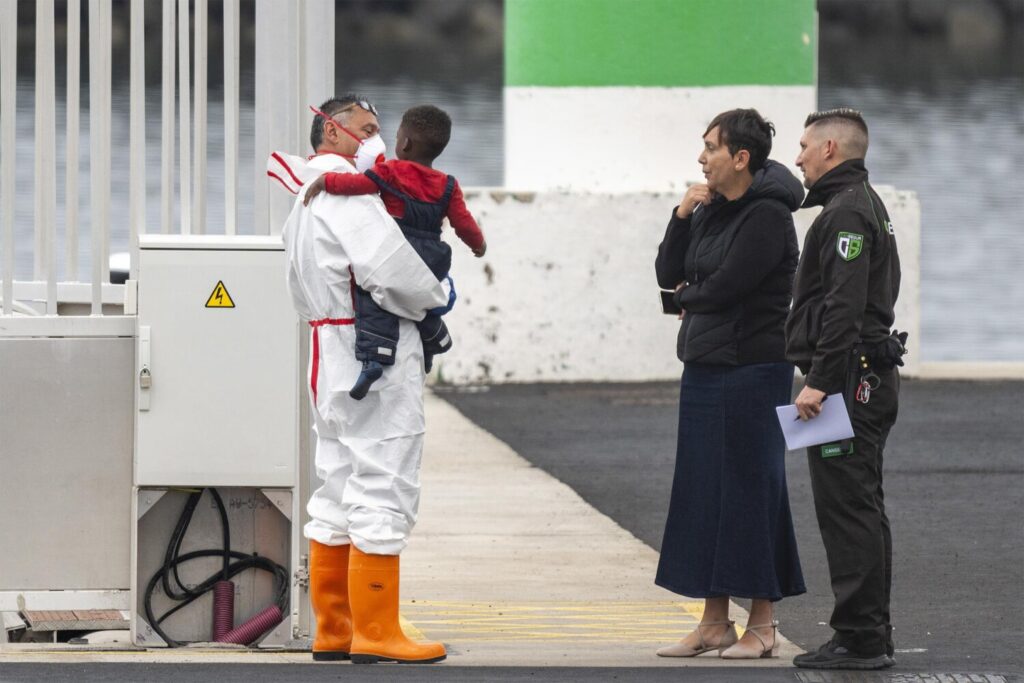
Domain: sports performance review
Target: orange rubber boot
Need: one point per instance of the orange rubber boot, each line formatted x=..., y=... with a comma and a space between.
x=328, y=591
x=378, y=636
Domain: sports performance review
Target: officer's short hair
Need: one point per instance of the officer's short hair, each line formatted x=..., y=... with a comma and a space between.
x=847, y=126
x=745, y=129
x=332, y=107
x=430, y=126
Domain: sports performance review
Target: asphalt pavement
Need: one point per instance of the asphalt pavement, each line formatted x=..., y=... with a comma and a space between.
x=954, y=483
x=250, y=673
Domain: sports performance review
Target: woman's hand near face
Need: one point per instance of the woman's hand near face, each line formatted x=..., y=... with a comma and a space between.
x=697, y=194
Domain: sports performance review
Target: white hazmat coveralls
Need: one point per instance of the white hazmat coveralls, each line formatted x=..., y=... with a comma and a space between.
x=368, y=452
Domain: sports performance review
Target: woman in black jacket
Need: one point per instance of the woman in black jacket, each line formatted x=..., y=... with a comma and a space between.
x=730, y=253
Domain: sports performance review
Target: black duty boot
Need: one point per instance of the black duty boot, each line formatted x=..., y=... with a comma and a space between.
x=890, y=649
x=831, y=655
x=372, y=371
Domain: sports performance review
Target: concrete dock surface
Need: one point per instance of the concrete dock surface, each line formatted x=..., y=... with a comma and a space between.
x=517, y=570
x=541, y=516
x=954, y=484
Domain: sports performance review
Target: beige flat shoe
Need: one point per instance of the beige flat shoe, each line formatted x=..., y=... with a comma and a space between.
x=682, y=650
x=744, y=651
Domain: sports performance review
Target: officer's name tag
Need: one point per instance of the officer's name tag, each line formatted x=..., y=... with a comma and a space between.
x=831, y=450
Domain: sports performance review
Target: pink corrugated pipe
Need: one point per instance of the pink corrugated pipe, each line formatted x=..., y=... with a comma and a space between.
x=223, y=609
x=254, y=628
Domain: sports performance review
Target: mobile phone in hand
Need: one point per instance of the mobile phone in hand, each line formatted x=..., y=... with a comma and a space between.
x=668, y=303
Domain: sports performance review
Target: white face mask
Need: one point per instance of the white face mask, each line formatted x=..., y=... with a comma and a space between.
x=370, y=150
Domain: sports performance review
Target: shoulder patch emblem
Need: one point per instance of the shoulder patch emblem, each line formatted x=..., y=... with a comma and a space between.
x=849, y=245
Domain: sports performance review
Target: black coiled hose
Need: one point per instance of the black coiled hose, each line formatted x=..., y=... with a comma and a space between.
x=173, y=559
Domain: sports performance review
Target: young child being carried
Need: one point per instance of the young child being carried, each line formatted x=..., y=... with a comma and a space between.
x=419, y=198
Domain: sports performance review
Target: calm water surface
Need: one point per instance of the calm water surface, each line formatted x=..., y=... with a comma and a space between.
x=958, y=150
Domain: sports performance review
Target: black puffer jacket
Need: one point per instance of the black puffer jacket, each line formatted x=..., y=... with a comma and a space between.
x=738, y=258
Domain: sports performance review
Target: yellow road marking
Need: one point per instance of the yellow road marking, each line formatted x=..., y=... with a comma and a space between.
x=561, y=621
x=596, y=621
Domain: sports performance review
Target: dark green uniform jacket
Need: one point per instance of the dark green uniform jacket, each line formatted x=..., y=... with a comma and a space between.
x=848, y=278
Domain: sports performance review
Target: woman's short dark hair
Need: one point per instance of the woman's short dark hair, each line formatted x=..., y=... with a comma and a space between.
x=745, y=129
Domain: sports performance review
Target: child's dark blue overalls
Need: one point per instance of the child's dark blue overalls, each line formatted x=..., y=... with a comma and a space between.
x=376, y=329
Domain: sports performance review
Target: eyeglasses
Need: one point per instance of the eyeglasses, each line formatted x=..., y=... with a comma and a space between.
x=364, y=104
x=361, y=103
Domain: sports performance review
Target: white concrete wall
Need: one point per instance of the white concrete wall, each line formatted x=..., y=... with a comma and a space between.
x=567, y=291
x=559, y=138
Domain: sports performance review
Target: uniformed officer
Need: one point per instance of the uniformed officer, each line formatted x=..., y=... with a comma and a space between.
x=838, y=334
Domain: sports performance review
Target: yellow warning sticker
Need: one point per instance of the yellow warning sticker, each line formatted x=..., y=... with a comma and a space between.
x=220, y=297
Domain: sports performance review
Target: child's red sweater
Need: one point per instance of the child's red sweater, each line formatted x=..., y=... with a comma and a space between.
x=417, y=181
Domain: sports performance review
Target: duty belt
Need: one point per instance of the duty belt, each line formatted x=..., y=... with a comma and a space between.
x=861, y=379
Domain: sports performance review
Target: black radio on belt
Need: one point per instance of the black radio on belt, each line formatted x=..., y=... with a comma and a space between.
x=889, y=353
x=884, y=356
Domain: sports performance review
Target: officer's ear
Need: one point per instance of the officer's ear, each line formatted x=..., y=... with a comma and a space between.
x=831, y=148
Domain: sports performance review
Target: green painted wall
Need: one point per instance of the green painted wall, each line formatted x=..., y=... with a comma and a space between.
x=660, y=42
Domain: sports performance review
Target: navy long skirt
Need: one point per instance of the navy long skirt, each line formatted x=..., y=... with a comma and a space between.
x=729, y=529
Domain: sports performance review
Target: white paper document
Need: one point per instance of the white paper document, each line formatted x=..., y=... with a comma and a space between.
x=832, y=424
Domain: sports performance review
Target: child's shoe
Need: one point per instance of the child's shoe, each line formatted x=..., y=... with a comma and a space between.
x=372, y=371
x=434, y=335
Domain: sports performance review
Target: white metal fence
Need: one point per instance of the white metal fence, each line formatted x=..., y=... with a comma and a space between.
x=292, y=69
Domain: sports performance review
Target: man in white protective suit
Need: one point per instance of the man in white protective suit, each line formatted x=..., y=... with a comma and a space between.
x=367, y=452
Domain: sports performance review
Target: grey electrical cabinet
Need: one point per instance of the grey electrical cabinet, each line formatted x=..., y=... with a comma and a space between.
x=217, y=391
x=217, y=363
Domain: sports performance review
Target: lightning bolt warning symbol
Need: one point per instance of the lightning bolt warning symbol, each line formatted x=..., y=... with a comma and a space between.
x=220, y=298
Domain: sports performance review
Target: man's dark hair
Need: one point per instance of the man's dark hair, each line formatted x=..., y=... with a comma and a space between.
x=430, y=127
x=331, y=107
x=839, y=115
x=745, y=129
x=847, y=126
